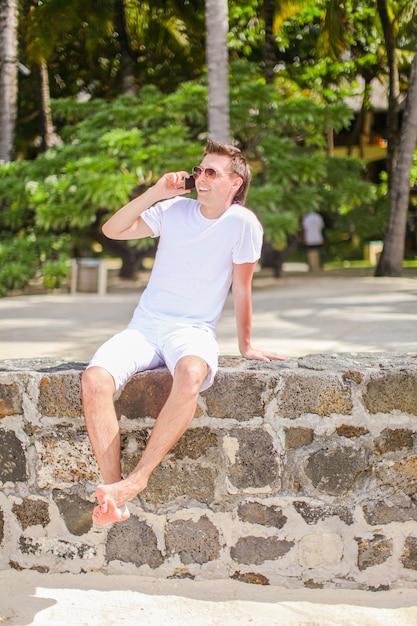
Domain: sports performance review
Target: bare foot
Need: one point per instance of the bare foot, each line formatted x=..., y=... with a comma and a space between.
x=107, y=512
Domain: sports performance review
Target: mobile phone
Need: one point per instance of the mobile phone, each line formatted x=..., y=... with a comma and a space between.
x=189, y=183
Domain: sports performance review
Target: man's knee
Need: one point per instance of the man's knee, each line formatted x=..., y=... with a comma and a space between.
x=190, y=373
x=96, y=380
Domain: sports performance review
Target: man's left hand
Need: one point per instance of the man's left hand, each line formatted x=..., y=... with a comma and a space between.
x=262, y=355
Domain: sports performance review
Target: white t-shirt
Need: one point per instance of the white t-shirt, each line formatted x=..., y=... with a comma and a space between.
x=313, y=225
x=192, y=273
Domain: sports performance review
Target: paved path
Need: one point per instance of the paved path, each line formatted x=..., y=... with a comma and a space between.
x=295, y=315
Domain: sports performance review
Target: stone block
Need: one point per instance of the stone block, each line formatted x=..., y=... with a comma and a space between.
x=312, y=513
x=409, y=555
x=65, y=459
x=314, y=393
x=75, y=511
x=189, y=470
x=399, y=474
x=10, y=400
x=335, y=470
x=394, y=391
x=32, y=512
x=373, y=551
x=172, y=483
x=391, y=440
x=349, y=431
x=197, y=444
x=255, y=464
x=257, y=550
x=320, y=550
x=12, y=458
x=380, y=513
x=298, y=437
x=237, y=395
x=256, y=513
x=194, y=542
x=133, y=541
x=60, y=396
x=144, y=394
x=65, y=550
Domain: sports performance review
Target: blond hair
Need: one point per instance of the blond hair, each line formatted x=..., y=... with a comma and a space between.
x=238, y=165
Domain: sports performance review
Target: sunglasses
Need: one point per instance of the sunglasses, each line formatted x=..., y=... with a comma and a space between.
x=210, y=172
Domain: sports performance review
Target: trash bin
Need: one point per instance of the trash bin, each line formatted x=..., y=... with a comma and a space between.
x=374, y=249
x=88, y=275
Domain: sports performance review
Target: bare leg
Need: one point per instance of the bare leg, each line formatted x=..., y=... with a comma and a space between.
x=173, y=420
x=103, y=429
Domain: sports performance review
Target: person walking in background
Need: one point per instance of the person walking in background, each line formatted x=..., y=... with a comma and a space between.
x=205, y=247
x=313, y=225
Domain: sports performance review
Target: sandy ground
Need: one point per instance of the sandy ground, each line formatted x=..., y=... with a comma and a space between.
x=31, y=598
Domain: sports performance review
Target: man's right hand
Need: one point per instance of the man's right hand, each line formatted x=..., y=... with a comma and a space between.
x=171, y=184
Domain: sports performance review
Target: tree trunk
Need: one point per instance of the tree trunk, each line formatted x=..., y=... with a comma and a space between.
x=394, y=90
x=355, y=136
x=126, y=62
x=269, y=49
x=217, y=24
x=50, y=138
x=276, y=258
x=391, y=260
x=8, y=78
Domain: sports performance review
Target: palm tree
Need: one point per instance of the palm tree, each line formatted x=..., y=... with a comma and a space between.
x=217, y=23
x=391, y=260
x=8, y=78
x=400, y=147
x=126, y=62
x=388, y=27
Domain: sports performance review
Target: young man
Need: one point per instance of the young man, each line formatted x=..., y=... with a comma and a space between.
x=313, y=225
x=205, y=246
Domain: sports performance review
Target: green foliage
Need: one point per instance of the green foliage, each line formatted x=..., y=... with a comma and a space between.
x=285, y=133
x=300, y=181
x=54, y=272
x=27, y=255
x=109, y=150
x=55, y=205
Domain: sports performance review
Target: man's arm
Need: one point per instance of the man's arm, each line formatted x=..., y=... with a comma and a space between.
x=242, y=299
x=127, y=223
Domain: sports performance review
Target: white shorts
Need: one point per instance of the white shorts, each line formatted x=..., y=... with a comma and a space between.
x=134, y=350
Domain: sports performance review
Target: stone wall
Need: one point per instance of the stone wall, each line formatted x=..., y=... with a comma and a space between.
x=301, y=472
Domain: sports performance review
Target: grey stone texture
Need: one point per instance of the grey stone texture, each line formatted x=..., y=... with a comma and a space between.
x=257, y=550
x=256, y=463
x=409, y=556
x=12, y=458
x=373, y=551
x=302, y=472
x=133, y=542
x=256, y=513
x=194, y=542
x=32, y=512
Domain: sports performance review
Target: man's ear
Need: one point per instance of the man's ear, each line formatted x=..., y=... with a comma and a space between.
x=237, y=183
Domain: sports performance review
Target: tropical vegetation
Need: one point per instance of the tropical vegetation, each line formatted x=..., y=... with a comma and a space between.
x=108, y=100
